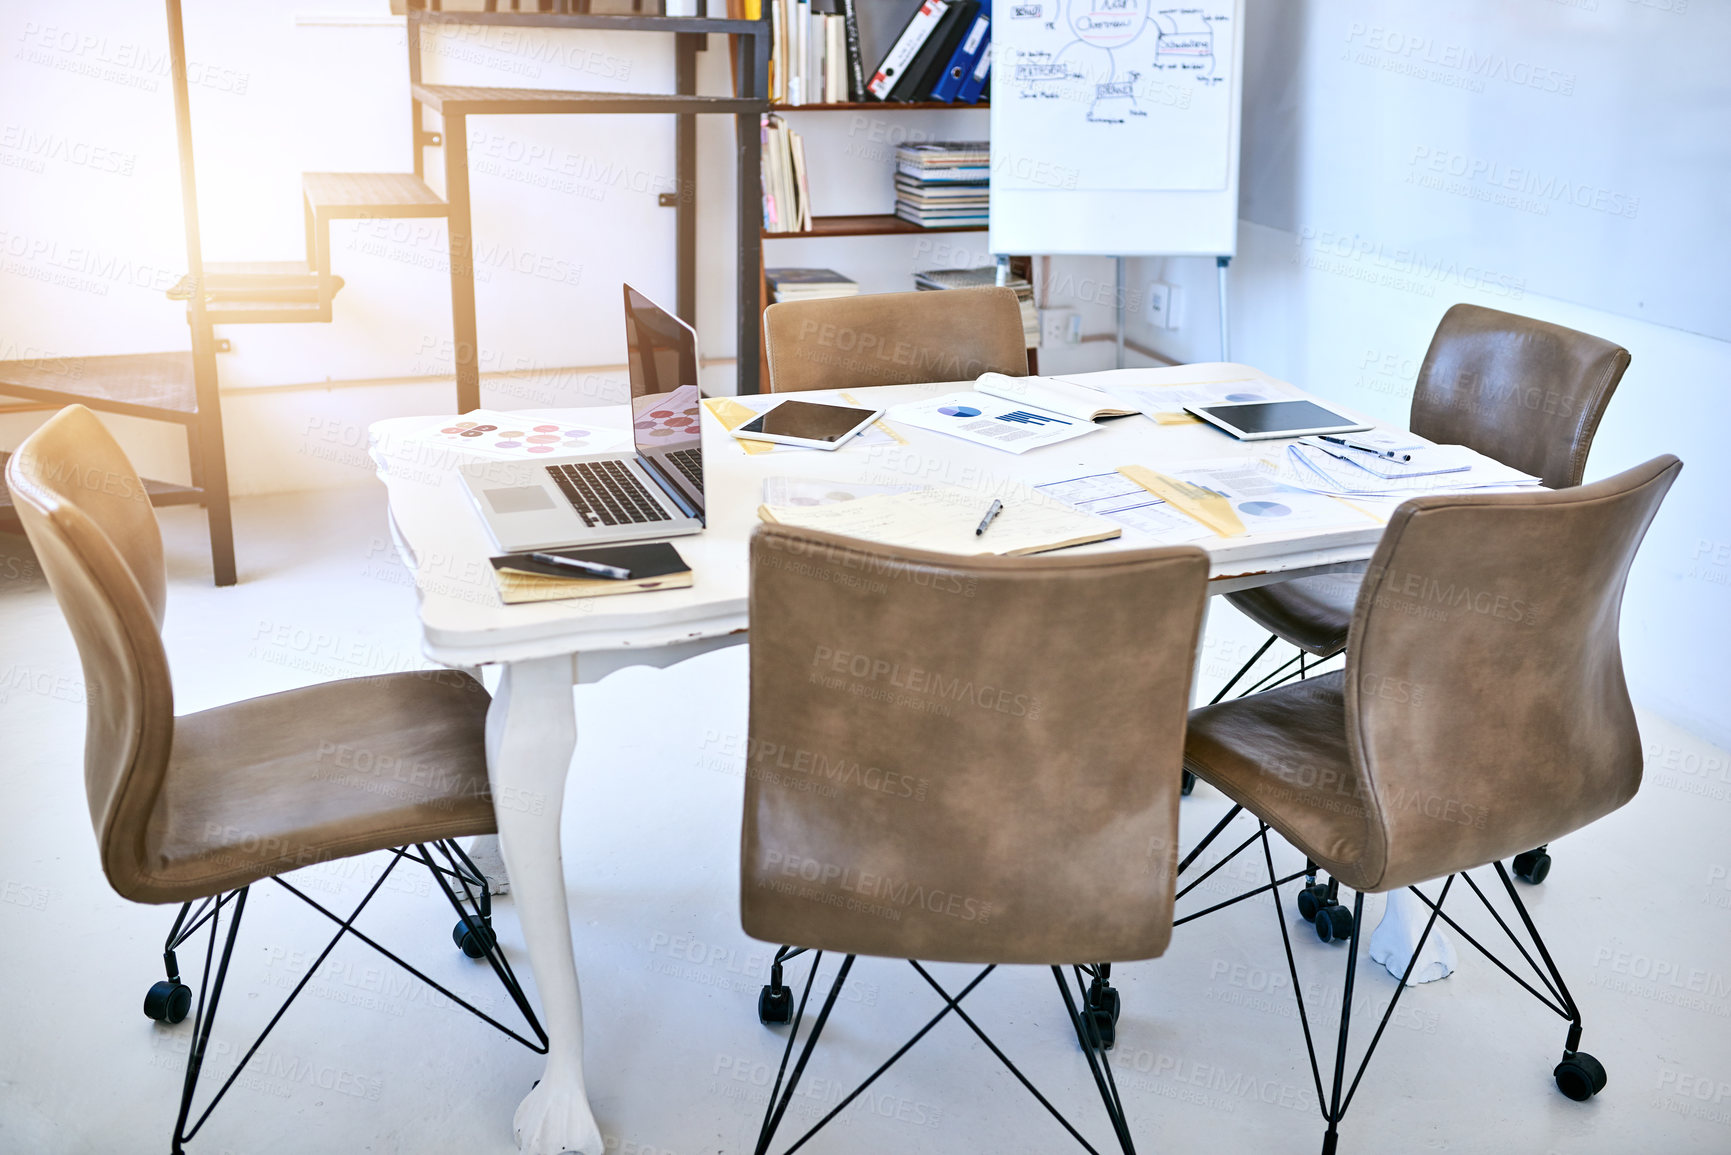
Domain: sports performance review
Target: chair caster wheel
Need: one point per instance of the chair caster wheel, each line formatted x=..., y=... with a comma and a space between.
x=1104, y=999
x=167, y=1002
x=1312, y=900
x=1580, y=1076
x=473, y=940
x=775, y=1006
x=1104, y=1027
x=1334, y=924
x=1532, y=866
x=1189, y=784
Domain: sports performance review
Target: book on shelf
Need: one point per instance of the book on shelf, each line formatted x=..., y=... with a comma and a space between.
x=837, y=51
x=786, y=191
x=808, y=284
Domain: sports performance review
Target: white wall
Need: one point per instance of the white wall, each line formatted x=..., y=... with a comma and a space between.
x=1317, y=305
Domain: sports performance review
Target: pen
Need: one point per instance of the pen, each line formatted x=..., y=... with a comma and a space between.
x=593, y=568
x=1391, y=454
x=991, y=515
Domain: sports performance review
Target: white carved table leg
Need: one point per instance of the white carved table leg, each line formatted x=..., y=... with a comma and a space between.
x=531, y=734
x=1394, y=938
x=483, y=850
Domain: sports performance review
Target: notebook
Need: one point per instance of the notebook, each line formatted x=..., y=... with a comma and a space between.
x=655, y=566
x=943, y=519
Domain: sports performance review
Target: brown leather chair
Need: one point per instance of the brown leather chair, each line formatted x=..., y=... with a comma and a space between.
x=963, y=759
x=1482, y=711
x=1525, y=392
x=893, y=339
x=195, y=809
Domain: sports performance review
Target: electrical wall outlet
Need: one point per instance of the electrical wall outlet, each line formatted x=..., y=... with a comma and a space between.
x=1060, y=327
x=1165, y=305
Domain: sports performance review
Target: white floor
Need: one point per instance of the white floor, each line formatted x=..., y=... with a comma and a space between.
x=1210, y=1054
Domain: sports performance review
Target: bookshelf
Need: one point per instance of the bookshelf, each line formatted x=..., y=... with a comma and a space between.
x=860, y=224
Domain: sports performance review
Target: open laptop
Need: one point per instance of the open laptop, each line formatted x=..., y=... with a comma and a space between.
x=600, y=498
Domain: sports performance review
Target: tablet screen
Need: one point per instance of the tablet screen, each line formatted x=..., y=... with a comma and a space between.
x=1265, y=417
x=809, y=421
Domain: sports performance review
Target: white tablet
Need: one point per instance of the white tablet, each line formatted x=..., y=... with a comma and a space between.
x=1264, y=420
x=812, y=424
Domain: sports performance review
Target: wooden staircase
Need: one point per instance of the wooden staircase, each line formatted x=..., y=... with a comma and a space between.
x=182, y=387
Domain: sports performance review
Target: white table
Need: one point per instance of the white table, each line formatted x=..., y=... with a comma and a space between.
x=546, y=648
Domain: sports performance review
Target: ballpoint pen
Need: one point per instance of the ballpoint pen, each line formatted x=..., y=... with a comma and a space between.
x=1391, y=454
x=592, y=568
x=991, y=514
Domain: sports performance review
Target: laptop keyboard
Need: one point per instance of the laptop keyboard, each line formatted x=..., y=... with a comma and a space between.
x=606, y=493
x=690, y=463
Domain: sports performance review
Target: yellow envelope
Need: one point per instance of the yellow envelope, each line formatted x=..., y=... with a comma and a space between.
x=1198, y=502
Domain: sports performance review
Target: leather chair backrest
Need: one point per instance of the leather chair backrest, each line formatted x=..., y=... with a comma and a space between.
x=966, y=759
x=90, y=522
x=1485, y=705
x=894, y=339
x=1525, y=392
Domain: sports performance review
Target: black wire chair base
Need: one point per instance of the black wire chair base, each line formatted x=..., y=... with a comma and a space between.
x=786, y=1084
x=1578, y=1075
x=451, y=869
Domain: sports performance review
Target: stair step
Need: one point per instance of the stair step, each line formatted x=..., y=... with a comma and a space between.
x=160, y=492
x=283, y=281
x=468, y=100
x=155, y=385
x=266, y=312
x=370, y=194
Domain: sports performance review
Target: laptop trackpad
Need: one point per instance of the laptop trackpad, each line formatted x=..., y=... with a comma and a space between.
x=518, y=499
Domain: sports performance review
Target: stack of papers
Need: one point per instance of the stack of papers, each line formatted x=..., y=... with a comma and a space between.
x=1323, y=468
x=1014, y=427
x=1264, y=500
x=809, y=284
x=943, y=519
x=1116, y=498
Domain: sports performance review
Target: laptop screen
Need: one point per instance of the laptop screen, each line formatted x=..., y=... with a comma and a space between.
x=662, y=354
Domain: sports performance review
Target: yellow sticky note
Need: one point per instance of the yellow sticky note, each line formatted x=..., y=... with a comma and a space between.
x=732, y=415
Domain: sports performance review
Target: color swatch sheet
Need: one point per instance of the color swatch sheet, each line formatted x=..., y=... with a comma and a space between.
x=519, y=436
x=993, y=421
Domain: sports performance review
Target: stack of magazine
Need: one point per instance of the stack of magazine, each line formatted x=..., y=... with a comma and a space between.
x=983, y=278
x=808, y=284
x=943, y=185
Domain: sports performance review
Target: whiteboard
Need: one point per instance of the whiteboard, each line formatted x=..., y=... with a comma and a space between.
x=1576, y=149
x=1115, y=126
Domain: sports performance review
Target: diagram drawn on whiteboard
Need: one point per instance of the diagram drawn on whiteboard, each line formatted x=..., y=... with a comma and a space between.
x=1106, y=74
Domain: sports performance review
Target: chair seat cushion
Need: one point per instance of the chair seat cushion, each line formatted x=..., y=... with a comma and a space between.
x=1312, y=613
x=1283, y=756
x=271, y=784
